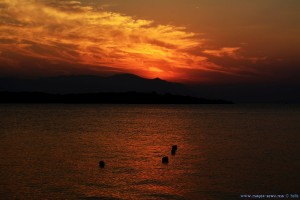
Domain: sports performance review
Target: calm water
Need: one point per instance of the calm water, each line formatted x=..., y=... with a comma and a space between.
x=52, y=151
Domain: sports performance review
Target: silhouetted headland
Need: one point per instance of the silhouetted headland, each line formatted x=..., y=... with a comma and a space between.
x=92, y=84
x=104, y=98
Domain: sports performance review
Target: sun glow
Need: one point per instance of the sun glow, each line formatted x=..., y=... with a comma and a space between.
x=54, y=38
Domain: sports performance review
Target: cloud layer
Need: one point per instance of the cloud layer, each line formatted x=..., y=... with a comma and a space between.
x=67, y=37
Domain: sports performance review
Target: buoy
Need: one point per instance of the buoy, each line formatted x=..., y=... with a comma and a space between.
x=165, y=159
x=102, y=164
x=173, y=152
x=174, y=147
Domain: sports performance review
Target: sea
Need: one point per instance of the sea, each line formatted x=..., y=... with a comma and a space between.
x=236, y=151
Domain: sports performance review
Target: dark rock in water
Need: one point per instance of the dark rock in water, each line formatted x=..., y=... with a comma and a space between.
x=173, y=152
x=174, y=147
x=165, y=159
x=102, y=164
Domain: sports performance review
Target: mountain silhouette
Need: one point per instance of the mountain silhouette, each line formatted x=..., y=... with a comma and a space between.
x=92, y=84
x=103, y=98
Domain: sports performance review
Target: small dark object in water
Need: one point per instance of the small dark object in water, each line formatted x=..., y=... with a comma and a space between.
x=173, y=152
x=165, y=159
x=174, y=147
x=102, y=164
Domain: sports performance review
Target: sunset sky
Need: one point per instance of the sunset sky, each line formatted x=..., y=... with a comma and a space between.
x=188, y=41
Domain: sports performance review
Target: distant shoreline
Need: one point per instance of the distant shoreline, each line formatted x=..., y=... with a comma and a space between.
x=102, y=98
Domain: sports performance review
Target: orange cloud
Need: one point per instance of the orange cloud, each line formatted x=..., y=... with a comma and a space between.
x=225, y=51
x=232, y=52
x=72, y=34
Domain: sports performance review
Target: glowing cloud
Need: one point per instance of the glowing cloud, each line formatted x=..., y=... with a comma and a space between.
x=232, y=52
x=66, y=33
x=226, y=51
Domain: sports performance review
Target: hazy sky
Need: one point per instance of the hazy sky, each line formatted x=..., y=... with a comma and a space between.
x=200, y=41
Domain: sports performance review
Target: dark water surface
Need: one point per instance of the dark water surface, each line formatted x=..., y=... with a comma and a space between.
x=52, y=151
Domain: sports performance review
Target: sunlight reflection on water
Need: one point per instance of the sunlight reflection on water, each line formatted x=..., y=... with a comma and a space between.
x=52, y=151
